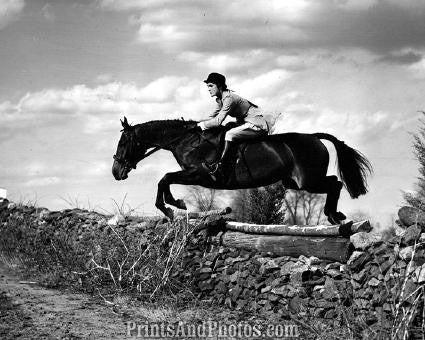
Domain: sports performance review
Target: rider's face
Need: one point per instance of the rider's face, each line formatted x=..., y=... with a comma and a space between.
x=213, y=89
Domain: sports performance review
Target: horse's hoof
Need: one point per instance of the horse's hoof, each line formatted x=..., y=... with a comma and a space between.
x=169, y=213
x=180, y=204
x=333, y=219
x=340, y=216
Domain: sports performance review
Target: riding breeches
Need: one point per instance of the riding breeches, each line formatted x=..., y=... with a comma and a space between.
x=244, y=132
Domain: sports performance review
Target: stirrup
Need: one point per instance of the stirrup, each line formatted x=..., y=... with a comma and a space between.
x=210, y=167
x=214, y=170
x=218, y=171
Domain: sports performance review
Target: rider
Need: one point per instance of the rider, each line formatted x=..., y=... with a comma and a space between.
x=251, y=123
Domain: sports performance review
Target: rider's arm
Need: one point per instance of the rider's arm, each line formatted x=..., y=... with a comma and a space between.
x=212, y=115
x=217, y=109
x=228, y=105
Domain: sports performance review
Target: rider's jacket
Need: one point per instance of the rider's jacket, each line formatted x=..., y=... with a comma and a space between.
x=235, y=106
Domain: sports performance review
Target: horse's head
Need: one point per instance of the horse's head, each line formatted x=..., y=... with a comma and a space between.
x=129, y=152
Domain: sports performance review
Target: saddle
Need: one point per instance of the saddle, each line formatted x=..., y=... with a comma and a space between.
x=216, y=137
x=216, y=134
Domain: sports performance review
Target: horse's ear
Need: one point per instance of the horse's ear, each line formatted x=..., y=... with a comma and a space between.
x=124, y=123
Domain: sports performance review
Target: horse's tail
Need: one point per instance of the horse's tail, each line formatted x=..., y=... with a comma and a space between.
x=353, y=166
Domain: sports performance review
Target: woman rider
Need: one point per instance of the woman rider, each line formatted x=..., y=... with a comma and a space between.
x=251, y=123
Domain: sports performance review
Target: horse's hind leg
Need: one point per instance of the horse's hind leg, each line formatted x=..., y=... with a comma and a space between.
x=332, y=187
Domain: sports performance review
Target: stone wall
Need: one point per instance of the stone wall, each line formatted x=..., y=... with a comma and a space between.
x=382, y=279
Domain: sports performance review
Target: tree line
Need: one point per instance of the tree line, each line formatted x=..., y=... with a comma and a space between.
x=272, y=204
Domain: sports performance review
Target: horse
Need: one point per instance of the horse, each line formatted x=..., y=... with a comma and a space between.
x=298, y=160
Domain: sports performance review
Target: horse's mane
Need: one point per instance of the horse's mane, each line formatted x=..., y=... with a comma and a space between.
x=154, y=125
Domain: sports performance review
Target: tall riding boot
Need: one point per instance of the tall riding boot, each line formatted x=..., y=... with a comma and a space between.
x=221, y=168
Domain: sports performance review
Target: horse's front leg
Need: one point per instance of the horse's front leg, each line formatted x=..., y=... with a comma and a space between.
x=164, y=195
x=160, y=204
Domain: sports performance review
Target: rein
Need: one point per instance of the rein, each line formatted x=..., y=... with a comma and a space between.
x=156, y=148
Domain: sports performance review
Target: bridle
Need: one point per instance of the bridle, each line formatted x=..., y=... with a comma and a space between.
x=127, y=164
x=124, y=162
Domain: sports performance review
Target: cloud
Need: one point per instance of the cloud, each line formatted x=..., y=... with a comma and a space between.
x=379, y=26
x=35, y=168
x=48, y=13
x=234, y=61
x=151, y=34
x=418, y=69
x=103, y=78
x=264, y=85
x=358, y=5
x=81, y=99
x=356, y=128
x=9, y=10
x=42, y=182
x=99, y=107
x=401, y=58
x=99, y=168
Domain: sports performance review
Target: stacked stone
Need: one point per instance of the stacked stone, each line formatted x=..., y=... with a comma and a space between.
x=370, y=283
x=388, y=275
x=261, y=282
x=74, y=223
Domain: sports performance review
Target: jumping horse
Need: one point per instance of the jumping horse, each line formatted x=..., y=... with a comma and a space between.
x=298, y=160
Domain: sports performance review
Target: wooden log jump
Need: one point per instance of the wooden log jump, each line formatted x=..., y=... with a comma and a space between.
x=301, y=230
x=329, y=242
x=328, y=248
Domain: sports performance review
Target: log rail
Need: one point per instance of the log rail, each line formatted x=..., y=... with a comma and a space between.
x=329, y=242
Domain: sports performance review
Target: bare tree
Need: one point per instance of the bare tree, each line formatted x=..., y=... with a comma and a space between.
x=304, y=207
x=241, y=205
x=202, y=199
x=359, y=215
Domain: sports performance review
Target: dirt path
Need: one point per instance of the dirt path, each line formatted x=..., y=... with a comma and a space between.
x=28, y=311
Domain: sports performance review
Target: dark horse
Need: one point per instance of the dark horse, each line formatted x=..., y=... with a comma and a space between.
x=299, y=160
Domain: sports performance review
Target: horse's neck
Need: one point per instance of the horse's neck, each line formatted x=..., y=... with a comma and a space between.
x=166, y=136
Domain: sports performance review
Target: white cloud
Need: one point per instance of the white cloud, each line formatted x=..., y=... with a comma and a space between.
x=232, y=60
x=99, y=107
x=264, y=85
x=165, y=34
x=48, y=13
x=42, y=182
x=123, y=5
x=357, y=4
x=223, y=27
x=9, y=10
x=103, y=99
x=99, y=168
x=417, y=69
x=35, y=168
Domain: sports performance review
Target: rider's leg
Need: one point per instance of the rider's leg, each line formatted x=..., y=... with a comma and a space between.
x=226, y=160
x=233, y=136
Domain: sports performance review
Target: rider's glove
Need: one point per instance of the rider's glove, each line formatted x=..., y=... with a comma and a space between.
x=201, y=125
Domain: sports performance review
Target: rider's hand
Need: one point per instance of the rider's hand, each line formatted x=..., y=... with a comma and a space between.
x=201, y=125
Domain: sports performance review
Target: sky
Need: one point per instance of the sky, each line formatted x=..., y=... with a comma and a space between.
x=70, y=70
